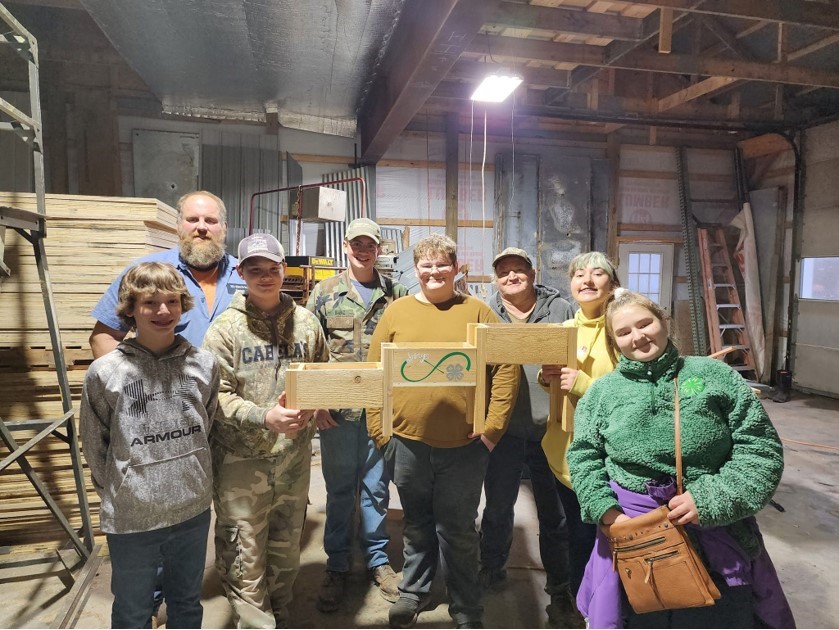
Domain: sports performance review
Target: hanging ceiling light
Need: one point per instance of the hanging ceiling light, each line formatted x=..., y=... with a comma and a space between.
x=496, y=87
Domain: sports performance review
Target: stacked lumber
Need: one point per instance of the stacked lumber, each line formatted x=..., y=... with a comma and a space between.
x=89, y=241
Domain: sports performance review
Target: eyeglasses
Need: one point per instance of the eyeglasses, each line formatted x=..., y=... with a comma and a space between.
x=427, y=268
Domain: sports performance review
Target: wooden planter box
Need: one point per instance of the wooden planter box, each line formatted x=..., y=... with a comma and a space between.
x=524, y=344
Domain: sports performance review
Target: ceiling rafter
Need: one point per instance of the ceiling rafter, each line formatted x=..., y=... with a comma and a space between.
x=653, y=62
x=469, y=70
x=616, y=50
x=801, y=12
x=431, y=36
x=564, y=20
x=726, y=37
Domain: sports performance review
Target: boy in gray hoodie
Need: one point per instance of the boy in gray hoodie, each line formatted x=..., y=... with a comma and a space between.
x=146, y=411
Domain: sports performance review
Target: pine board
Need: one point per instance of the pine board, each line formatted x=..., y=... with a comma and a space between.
x=89, y=241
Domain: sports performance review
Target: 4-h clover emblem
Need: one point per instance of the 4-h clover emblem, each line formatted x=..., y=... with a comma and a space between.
x=454, y=372
x=693, y=385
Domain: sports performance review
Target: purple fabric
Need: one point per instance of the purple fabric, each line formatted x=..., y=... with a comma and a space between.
x=599, y=597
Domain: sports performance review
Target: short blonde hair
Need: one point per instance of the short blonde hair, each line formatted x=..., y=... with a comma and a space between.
x=597, y=260
x=222, y=209
x=434, y=245
x=146, y=279
x=622, y=298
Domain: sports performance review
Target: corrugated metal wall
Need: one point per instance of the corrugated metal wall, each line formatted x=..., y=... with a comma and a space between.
x=334, y=231
x=236, y=165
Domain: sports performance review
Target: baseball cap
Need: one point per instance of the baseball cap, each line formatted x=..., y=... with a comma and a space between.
x=263, y=245
x=512, y=251
x=363, y=227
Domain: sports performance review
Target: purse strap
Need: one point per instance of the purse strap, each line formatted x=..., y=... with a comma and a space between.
x=678, y=426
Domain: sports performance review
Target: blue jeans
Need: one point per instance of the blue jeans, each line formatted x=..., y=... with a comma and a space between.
x=501, y=487
x=135, y=559
x=440, y=489
x=353, y=468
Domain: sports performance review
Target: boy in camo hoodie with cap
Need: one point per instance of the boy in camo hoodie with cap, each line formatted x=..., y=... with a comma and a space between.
x=261, y=450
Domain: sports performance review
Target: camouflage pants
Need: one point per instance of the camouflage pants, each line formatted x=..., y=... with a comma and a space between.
x=260, y=506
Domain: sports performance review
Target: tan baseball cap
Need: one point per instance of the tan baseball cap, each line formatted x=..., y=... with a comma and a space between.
x=363, y=227
x=513, y=251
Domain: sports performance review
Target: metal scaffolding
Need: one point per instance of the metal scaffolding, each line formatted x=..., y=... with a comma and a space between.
x=33, y=227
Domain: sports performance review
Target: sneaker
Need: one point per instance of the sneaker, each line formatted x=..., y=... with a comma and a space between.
x=387, y=580
x=563, y=613
x=403, y=614
x=331, y=591
x=492, y=579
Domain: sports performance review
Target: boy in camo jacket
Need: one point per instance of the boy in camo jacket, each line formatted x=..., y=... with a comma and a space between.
x=349, y=305
x=261, y=450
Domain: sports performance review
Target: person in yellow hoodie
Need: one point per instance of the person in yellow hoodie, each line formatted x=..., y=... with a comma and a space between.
x=593, y=279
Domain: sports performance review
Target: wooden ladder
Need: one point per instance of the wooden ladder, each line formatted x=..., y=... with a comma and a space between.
x=726, y=322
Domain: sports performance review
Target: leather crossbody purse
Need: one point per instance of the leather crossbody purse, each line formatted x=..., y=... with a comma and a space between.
x=657, y=564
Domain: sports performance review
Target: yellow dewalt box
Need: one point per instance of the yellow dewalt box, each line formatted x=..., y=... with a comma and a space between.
x=321, y=267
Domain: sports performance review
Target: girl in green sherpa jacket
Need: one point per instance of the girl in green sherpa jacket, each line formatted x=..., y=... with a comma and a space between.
x=622, y=463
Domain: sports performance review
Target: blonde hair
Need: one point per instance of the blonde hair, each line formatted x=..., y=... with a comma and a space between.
x=146, y=279
x=434, y=245
x=222, y=209
x=596, y=260
x=621, y=298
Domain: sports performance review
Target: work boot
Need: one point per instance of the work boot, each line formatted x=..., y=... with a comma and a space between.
x=562, y=611
x=387, y=580
x=403, y=614
x=492, y=578
x=331, y=591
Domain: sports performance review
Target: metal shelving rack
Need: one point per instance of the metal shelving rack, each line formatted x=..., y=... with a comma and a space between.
x=33, y=227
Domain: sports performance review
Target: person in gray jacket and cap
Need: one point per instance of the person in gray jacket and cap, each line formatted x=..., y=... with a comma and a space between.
x=520, y=300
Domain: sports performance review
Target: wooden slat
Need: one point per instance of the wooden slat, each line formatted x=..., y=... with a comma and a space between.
x=665, y=31
x=90, y=240
x=695, y=91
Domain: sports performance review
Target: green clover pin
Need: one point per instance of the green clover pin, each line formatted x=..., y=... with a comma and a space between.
x=693, y=385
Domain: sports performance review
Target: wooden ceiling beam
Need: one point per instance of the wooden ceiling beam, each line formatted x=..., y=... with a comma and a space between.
x=428, y=40
x=653, y=62
x=616, y=50
x=798, y=12
x=456, y=95
x=703, y=88
x=814, y=47
x=568, y=21
x=729, y=39
x=543, y=50
x=472, y=70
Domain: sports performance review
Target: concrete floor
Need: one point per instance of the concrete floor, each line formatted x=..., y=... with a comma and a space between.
x=801, y=539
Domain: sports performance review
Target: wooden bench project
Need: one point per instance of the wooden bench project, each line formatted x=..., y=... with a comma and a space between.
x=523, y=344
x=428, y=364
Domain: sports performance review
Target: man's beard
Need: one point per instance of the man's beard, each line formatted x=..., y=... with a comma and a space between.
x=201, y=254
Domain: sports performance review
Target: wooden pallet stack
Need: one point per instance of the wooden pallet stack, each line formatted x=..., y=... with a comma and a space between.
x=89, y=241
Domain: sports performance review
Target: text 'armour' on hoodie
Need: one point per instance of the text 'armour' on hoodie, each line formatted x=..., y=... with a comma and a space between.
x=144, y=422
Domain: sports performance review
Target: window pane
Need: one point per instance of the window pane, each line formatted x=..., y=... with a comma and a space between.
x=633, y=263
x=654, y=283
x=644, y=284
x=644, y=266
x=633, y=282
x=820, y=278
x=655, y=262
